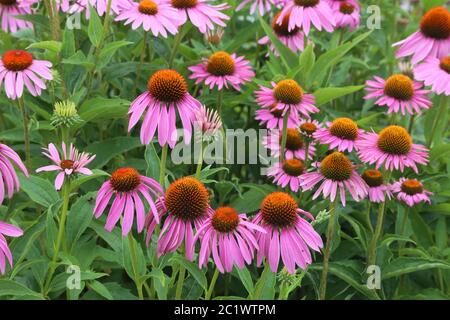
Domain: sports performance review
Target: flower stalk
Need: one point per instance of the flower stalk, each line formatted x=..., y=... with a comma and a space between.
x=327, y=252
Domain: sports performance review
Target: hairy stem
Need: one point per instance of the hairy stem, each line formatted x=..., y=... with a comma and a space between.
x=26, y=132
x=212, y=284
x=327, y=252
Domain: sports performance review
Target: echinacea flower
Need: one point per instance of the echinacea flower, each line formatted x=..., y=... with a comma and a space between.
x=303, y=13
x=435, y=72
x=287, y=173
x=308, y=127
x=432, y=39
x=336, y=174
x=167, y=93
x=222, y=69
x=185, y=202
x=207, y=123
x=272, y=118
x=8, y=176
x=411, y=191
x=342, y=134
x=378, y=190
x=392, y=147
x=295, y=145
x=19, y=68
x=262, y=6
x=9, y=230
x=157, y=16
x=399, y=93
x=293, y=39
x=347, y=15
x=9, y=9
x=214, y=36
x=79, y=6
x=287, y=96
x=287, y=234
x=127, y=187
x=229, y=236
x=71, y=162
x=201, y=13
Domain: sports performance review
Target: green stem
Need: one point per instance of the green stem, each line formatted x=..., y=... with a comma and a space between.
x=176, y=44
x=327, y=252
x=180, y=282
x=369, y=223
x=212, y=284
x=219, y=103
x=261, y=283
x=284, y=137
x=443, y=106
x=411, y=123
x=134, y=264
x=141, y=62
x=59, y=239
x=26, y=133
x=65, y=135
x=307, y=152
x=198, y=171
x=402, y=230
x=162, y=166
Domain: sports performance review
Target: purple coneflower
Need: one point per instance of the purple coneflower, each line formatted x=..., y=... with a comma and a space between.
x=262, y=6
x=127, y=187
x=10, y=231
x=287, y=234
x=287, y=173
x=378, y=190
x=9, y=9
x=8, y=176
x=342, y=134
x=347, y=15
x=295, y=144
x=435, y=73
x=272, y=118
x=411, y=191
x=222, y=69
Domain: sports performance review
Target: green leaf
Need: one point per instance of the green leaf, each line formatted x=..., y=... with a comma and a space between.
x=96, y=173
x=152, y=160
x=12, y=288
x=441, y=233
x=109, y=50
x=101, y=289
x=108, y=149
x=404, y=265
x=193, y=269
x=39, y=190
x=246, y=279
x=306, y=63
x=102, y=108
x=324, y=95
x=265, y=286
x=131, y=249
x=51, y=45
x=95, y=27
x=79, y=59
x=79, y=218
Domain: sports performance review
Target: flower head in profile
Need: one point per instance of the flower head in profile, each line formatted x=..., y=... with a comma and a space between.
x=287, y=173
x=65, y=114
x=221, y=70
x=392, y=147
x=71, y=162
x=435, y=73
x=157, y=16
x=411, y=191
x=378, y=189
x=79, y=6
x=186, y=203
x=207, y=123
x=399, y=93
x=336, y=175
x=287, y=96
x=167, y=95
x=347, y=15
x=293, y=39
x=262, y=6
x=19, y=68
x=5, y=254
x=304, y=13
x=9, y=9
x=308, y=127
x=272, y=118
x=229, y=237
x=431, y=40
x=8, y=176
x=287, y=235
x=129, y=191
x=342, y=134
x=295, y=144
x=201, y=13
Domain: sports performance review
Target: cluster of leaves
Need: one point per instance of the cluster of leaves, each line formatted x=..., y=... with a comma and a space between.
x=100, y=74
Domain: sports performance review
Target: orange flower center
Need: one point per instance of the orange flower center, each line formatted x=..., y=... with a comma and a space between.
x=288, y=92
x=148, y=7
x=125, y=179
x=400, y=87
x=308, y=127
x=412, y=187
x=67, y=164
x=394, y=140
x=283, y=28
x=436, y=23
x=17, y=60
x=293, y=167
x=184, y=4
x=167, y=86
x=294, y=140
x=225, y=219
x=277, y=113
x=306, y=3
x=373, y=178
x=344, y=128
x=8, y=2
x=221, y=64
x=336, y=167
x=445, y=64
x=187, y=198
x=279, y=209
x=346, y=8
